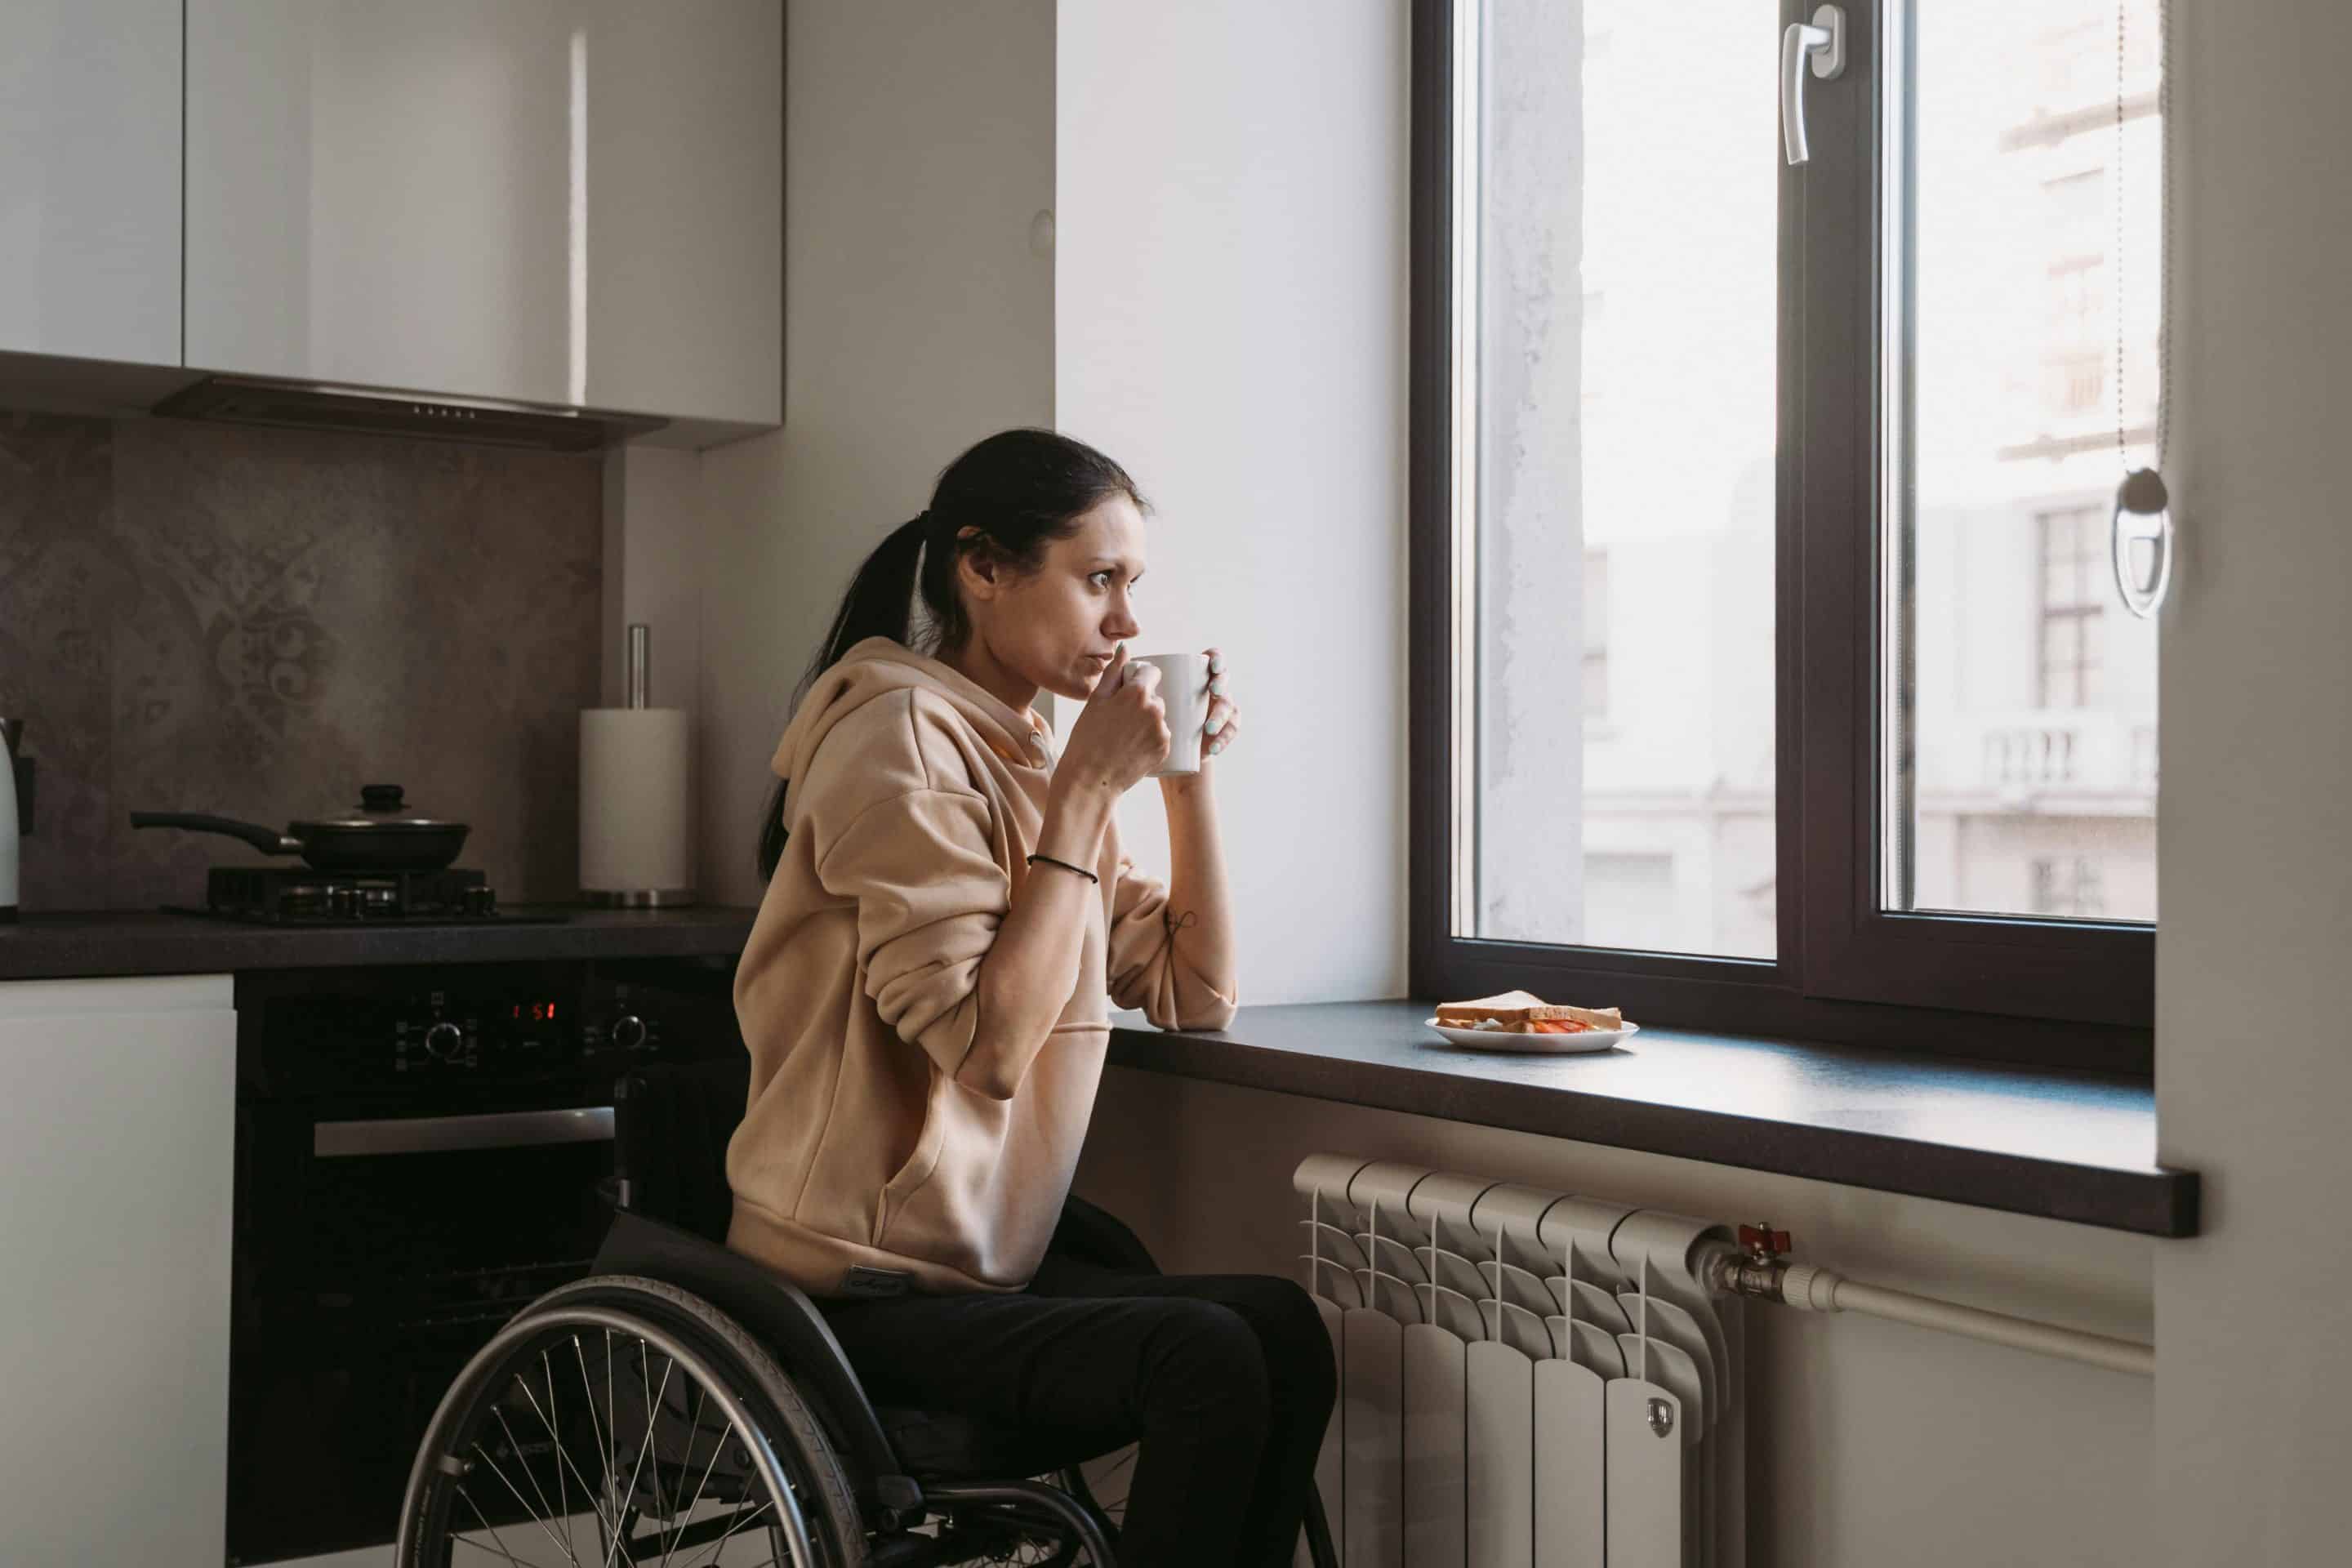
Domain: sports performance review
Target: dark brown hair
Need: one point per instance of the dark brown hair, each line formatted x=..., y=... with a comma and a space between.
x=1018, y=491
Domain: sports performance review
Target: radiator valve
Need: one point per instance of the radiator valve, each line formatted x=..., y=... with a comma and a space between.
x=1762, y=1244
x=1757, y=1269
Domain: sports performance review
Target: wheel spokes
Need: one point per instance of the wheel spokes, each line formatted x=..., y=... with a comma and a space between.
x=484, y=1521
x=564, y=1455
x=718, y=1442
x=521, y=1501
x=701, y=1511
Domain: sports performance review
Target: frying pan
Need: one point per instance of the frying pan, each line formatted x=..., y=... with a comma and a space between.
x=380, y=835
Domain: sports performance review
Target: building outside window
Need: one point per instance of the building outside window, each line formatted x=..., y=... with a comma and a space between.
x=2076, y=587
x=1596, y=636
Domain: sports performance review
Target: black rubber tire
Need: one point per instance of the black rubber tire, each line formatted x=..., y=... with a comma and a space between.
x=791, y=1429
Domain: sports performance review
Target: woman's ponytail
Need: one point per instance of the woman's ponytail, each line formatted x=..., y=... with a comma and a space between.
x=1012, y=495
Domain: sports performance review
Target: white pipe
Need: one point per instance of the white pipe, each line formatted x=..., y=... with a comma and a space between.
x=1815, y=1289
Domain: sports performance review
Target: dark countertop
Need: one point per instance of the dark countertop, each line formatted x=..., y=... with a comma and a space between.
x=67, y=944
x=2062, y=1145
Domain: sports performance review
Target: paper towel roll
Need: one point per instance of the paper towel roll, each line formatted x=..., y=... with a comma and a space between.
x=633, y=822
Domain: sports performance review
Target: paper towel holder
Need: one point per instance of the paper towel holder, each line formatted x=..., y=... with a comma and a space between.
x=638, y=697
x=640, y=665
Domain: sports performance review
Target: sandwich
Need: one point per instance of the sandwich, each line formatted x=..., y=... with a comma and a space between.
x=1524, y=1013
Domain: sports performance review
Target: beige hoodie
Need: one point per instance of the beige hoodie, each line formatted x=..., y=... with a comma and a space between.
x=869, y=1161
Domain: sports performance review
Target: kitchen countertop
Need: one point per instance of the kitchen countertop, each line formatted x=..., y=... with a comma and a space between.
x=2062, y=1146
x=67, y=944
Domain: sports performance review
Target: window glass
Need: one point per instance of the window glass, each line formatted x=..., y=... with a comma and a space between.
x=2023, y=779
x=1616, y=647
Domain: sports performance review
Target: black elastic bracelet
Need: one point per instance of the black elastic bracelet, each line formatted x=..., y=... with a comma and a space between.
x=1066, y=866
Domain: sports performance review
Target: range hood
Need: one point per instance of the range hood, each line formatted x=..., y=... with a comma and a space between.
x=317, y=405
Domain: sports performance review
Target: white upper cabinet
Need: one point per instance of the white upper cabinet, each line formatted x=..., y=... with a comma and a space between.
x=90, y=179
x=568, y=201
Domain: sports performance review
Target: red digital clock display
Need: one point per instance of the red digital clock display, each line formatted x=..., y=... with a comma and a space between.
x=539, y=1013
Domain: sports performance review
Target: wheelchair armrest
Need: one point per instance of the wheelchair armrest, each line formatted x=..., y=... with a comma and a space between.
x=781, y=1316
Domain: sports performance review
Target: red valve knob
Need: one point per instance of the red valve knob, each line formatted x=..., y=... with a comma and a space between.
x=1762, y=1241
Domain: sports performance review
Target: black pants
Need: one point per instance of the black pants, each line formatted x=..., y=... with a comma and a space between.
x=1224, y=1380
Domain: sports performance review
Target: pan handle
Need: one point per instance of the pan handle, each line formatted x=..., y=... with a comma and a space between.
x=262, y=838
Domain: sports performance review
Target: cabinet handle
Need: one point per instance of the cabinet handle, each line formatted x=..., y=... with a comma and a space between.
x=440, y=1134
x=1824, y=40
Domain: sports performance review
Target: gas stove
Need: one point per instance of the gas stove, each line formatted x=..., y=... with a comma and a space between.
x=269, y=894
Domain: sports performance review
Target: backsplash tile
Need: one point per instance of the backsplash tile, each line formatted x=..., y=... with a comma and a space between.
x=256, y=623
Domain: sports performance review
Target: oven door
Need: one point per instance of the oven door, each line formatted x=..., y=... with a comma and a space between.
x=375, y=1252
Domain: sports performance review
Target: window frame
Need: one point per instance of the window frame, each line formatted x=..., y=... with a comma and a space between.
x=2061, y=994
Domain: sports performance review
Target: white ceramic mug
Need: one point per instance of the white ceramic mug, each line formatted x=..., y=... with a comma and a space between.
x=1184, y=691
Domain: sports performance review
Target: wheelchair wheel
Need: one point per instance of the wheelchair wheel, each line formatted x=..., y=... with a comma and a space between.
x=1100, y=1486
x=620, y=1419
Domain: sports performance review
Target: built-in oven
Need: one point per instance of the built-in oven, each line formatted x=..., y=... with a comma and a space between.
x=419, y=1155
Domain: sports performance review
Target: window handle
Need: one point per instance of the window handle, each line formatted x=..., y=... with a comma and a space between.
x=1822, y=39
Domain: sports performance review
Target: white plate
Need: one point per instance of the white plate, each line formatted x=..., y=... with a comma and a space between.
x=1555, y=1044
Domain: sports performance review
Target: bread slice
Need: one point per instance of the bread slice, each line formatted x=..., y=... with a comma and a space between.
x=1518, y=1011
x=1506, y=1007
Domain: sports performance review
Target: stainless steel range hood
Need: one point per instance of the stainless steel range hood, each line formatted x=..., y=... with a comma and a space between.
x=316, y=405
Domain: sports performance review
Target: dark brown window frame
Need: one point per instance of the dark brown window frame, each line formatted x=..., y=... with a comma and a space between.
x=2054, y=994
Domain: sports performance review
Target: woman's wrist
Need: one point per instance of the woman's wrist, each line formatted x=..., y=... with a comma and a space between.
x=1175, y=786
x=1076, y=815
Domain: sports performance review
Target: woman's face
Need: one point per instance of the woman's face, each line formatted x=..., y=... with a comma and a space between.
x=1054, y=628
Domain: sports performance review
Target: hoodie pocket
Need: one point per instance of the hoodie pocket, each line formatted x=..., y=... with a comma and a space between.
x=918, y=1167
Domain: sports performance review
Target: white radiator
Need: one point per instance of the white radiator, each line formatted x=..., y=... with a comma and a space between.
x=1527, y=1379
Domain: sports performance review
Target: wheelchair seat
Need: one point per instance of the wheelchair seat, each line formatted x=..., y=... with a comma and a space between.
x=671, y=1126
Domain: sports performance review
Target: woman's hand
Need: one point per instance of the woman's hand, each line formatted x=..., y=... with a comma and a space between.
x=1218, y=727
x=1122, y=735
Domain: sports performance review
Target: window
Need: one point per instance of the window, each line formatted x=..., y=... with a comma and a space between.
x=2076, y=202
x=1596, y=636
x=2076, y=359
x=1633, y=894
x=1591, y=452
x=2074, y=606
x=1828, y=494
x=2066, y=888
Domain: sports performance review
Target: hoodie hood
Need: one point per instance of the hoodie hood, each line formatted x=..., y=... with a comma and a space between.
x=880, y=665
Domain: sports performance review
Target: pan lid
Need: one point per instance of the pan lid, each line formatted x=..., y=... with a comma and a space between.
x=382, y=810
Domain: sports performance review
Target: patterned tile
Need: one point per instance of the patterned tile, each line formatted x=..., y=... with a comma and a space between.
x=256, y=623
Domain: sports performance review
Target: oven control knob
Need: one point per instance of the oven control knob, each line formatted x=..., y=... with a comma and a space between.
x=442, y=1040
x=629, y=1032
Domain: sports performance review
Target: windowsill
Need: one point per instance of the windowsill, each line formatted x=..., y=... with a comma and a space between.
x=2056, y=1145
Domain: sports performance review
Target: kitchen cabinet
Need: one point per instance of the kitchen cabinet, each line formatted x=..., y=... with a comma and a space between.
x=117, y=1137
x=567, y=202
x=90, y=179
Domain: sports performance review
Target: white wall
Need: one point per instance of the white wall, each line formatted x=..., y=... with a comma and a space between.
x=919, y=151
x=1229, y=323
x=2254, y=1419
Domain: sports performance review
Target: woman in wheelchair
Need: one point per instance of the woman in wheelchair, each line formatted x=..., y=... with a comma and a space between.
x=926, y=997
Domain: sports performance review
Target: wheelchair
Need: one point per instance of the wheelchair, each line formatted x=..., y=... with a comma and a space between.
x=682, y=1404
